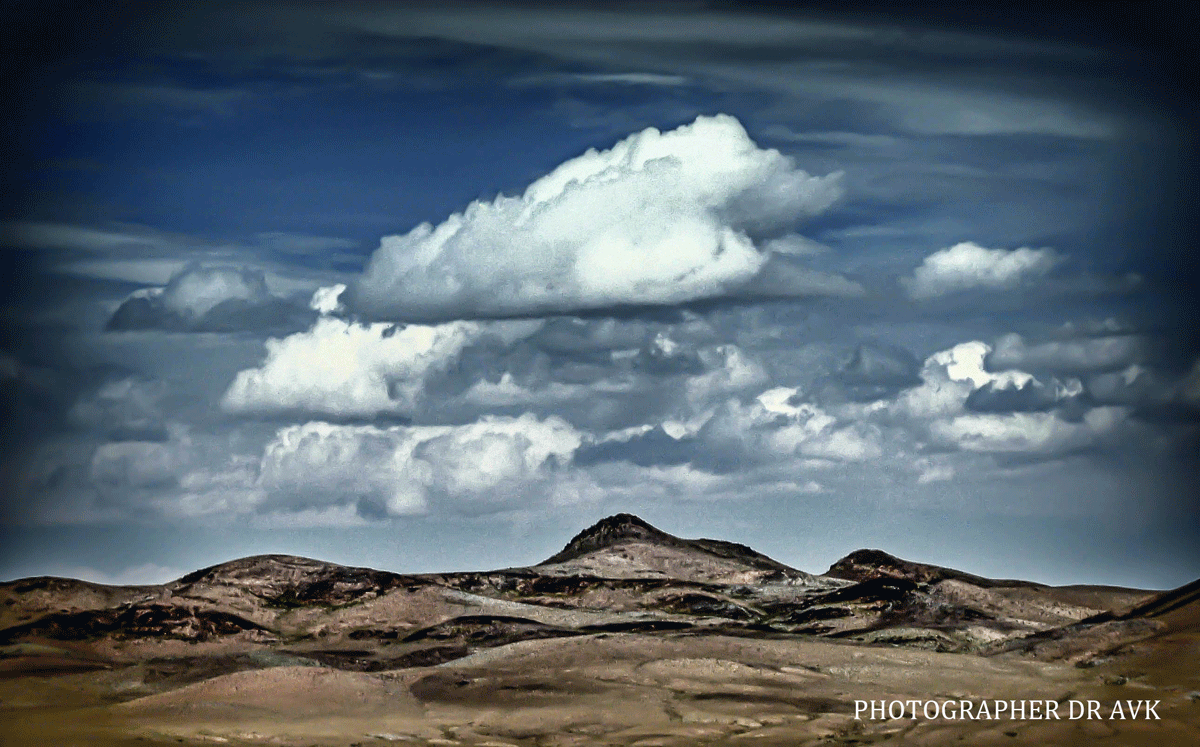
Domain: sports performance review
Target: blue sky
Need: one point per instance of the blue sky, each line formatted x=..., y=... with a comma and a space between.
x=430, y=287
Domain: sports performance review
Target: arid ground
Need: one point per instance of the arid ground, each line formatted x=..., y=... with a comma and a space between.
x=629, y=636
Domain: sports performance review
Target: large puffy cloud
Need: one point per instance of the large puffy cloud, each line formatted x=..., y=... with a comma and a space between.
x=793, y=426
x=209, y=299
x=960, y=404
x=968, y=266
x=780, y=425
x=880, y=364
x=197, y=290
x=782, y=278
x=646, y=345
x=660, y=218
x=488, y=465
x=949, y=377
x=597, y=373
x=217, y=489
x=341, y=369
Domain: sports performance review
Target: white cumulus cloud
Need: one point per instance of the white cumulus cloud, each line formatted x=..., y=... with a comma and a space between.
x=947, y=379
x=660, y=218
x=489, y=464
x=194, y=292
x=342, y=369
x=779, y=424
x=933, y=472
x=327, y=300
x=962, y=405
x=967, y=265
x=728, y=370
x=207, y=299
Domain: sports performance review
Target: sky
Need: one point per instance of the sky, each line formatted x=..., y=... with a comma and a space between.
x=432, y=287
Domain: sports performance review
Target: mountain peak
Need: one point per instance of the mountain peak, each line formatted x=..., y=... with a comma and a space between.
x=610, y=531
x=864, y=565
x=622, y=522
x=663, y=553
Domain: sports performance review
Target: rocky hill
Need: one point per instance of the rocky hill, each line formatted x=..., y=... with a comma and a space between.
x=621, y=588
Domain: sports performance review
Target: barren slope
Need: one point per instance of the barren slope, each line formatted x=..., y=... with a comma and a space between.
x=628, y=636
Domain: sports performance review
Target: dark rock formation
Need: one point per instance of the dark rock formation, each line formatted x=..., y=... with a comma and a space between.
x=864, y=565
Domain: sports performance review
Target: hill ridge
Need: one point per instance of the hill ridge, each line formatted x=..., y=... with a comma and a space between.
x=624, y=528
x=868, y=564
x=607, y=532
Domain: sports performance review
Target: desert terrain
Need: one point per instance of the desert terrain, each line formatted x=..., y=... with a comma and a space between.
x=628, y=636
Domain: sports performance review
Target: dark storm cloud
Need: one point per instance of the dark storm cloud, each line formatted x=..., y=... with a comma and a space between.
x=33, y=399
x=122, y=469
x=126, y=409
x=878, y=370
x=1077, y=355
x=654, y=447
x=645, y=343
x=1155, y=395
x=1032, y=396
x=574, y=335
